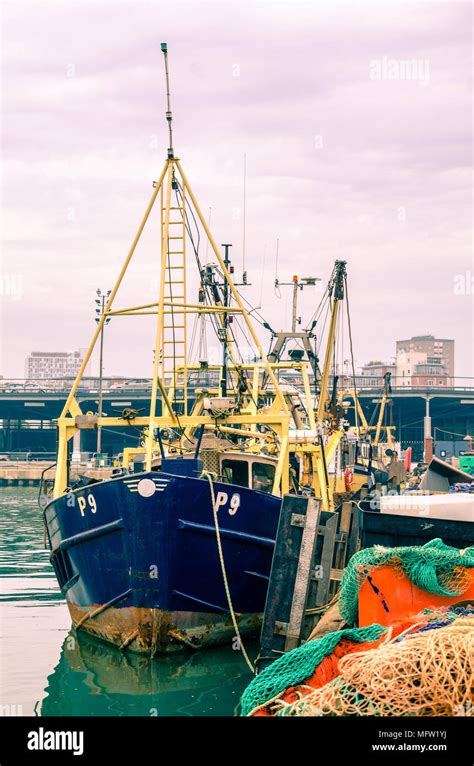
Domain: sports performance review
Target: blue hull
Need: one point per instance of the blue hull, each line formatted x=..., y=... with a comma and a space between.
x=137, y=559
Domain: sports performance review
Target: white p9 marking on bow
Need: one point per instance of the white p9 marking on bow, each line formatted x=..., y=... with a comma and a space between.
x=82, y=503
x=222, y=498
x=234, y=504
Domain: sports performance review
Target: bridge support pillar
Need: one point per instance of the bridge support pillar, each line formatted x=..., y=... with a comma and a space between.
x=428, y=452
x=76, y=447
x=428, y=438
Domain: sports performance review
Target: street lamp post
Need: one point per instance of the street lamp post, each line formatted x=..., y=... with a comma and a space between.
x=101, y=302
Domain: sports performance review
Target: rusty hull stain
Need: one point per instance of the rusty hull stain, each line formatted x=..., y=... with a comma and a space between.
x=154, y=631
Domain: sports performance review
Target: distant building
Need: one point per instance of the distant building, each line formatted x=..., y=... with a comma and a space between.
x=430, y=373
x=50, y=365
x=423, y=361
x=405, y=363
x=372, y=374
x=439, y=349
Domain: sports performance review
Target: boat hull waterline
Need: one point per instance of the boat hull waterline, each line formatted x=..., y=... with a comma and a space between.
x=137, y=559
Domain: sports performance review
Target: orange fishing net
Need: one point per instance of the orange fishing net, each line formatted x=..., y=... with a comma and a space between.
x=328, y=669
x=428, y=673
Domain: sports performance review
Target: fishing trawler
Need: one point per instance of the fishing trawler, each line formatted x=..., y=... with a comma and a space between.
x=175, y=550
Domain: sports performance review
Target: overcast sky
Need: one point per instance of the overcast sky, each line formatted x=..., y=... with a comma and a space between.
x=347, y=158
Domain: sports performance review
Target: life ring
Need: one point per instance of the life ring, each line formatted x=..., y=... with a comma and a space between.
x=408, y=459
x=348, y=479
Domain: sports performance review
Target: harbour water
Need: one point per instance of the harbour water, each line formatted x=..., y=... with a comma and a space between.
x=46, y=669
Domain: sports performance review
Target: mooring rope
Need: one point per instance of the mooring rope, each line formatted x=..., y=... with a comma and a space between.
x=207, y=475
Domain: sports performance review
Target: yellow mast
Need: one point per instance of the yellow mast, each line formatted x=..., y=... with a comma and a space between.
x=336, y=291
x=387, y=389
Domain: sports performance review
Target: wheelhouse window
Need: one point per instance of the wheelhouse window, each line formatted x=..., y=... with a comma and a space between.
x=235, y=472
x=263, y=476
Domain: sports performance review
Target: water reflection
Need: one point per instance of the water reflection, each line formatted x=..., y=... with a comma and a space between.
x=92, y=678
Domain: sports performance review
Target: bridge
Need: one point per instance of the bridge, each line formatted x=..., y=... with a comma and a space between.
x=28, y=410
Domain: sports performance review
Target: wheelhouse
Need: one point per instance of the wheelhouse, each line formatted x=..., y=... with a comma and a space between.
x=253, y=471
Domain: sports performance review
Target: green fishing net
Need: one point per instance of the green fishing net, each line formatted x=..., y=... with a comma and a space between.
x=294, y=667
x=435, y=567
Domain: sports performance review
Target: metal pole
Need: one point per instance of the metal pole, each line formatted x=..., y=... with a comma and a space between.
x=295, y=301
x=169, y=116
x=225, y=323
x=427, y=419
x=101, y=359
x=336, y=291
x=244, y=273
x=428, y=439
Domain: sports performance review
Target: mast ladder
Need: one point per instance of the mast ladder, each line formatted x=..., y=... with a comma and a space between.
x=174, y=335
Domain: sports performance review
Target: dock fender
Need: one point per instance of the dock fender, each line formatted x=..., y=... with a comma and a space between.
x=348, y=479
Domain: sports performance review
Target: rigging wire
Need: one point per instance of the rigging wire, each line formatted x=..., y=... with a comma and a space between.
x=203, y=354
x=351, y=347
x=193, y=337
x=195, y=246
x=263, y=274
x=207, y=290
x=277, y=289
x=209, y=225
x=319, y=339
x=325, y=296
x=451, y=433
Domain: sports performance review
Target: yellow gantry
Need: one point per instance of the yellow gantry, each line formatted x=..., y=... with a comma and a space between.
x=260, y=425
x=174, y=306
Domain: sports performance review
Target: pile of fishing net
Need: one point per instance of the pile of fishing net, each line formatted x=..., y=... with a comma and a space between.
x=421, y=666
x=435, y=567
x=426, y=673
x=295, y=667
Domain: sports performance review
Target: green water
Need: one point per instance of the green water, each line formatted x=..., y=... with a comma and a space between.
x=45, y=669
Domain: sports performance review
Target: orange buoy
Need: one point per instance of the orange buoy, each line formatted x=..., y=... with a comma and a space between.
x=408, y=459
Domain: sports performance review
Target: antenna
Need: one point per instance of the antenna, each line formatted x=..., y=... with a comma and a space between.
x=209, y=225
x=297, y=284
x=263, y=275
x=277, y=289
x=169, y=116
x=244, y=273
